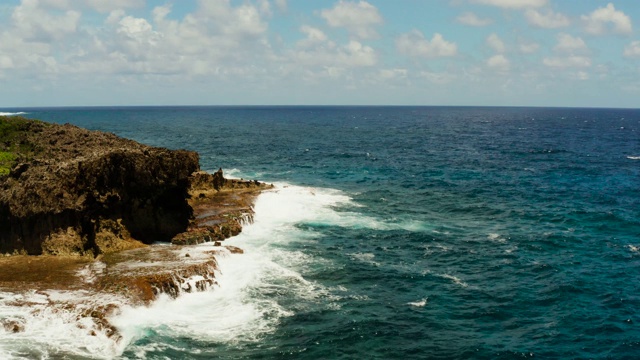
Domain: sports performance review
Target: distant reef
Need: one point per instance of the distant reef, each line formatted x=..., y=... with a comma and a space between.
x=70, y=191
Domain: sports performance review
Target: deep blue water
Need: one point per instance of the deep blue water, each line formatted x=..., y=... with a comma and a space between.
x=488, y=233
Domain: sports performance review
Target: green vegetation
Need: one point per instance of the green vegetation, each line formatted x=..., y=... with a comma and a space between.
x=15, y=143
x=7, y=160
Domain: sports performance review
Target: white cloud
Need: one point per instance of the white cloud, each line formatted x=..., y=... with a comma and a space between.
x=512, y=4
x=472, y=19
x=314, y=36
x=499, y=62
x=358, y=18
x=389, y=74
x=440, y=78
x=567, y=62
x=353, y=54
x=134, y=27
x=389, y=77
x=495, y=43
x=570, y=44
x=5, y=62
x=115, y=16
x=632, y=50
x=529, y=47
x=547, y=20
x=607, y=19
x=216, y=39
x=37, y=24
x=415, y=44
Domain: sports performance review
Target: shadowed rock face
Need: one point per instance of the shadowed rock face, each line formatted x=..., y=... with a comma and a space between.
x=87, y=192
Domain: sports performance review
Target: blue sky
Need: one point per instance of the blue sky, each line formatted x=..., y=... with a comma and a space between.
x=298, y=52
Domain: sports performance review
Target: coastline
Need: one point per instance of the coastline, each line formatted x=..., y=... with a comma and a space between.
x=92, y=245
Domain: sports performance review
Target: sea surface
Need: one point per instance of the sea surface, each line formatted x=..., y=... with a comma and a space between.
x=394, y=233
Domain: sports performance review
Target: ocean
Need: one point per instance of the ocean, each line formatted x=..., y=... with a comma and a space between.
x=393, y=233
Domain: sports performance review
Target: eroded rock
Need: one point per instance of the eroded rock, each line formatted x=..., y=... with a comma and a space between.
x=79, y=192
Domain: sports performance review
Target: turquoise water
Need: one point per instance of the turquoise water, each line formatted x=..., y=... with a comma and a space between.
x=406, y=232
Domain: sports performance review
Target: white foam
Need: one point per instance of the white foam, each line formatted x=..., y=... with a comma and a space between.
x=455, y=279
x=52, y=326
x=633, y=157
x=255, y=290
x=321, y=206
x=420, y=303
x=496, y=237
x=633, y=248
x=12, y=113
x=365, y=258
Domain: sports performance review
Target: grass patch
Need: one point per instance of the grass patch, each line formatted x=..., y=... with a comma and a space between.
x=7, y=161
x=15, y=142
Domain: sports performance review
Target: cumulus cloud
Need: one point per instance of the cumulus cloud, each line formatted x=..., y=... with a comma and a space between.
x=317, y=51
x=358, y=18
x=567, y=62
x=546, y=20
x=353, y=54
x=632, y=50
x=415, y=44
x=571, y=52
x=512, y=4
x=499, y=62
x=607, y=20
x=314, y=36
x=37, y=24
x=495, y=43
x=472, y=19
x=216, y=39
x=570, y=44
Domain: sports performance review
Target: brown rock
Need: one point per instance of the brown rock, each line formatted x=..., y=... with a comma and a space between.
x=68, y=192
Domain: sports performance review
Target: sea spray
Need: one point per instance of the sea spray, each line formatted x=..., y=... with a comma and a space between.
x=48, y=324
x=255, y=290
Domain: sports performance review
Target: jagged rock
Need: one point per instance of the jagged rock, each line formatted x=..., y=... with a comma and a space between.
x=87, y=192
x=221, y=207
x=234, y=249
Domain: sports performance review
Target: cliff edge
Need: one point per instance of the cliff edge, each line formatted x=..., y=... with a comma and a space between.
x=65, y=190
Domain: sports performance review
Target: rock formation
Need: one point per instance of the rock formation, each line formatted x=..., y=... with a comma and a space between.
x=70, y=191
x=75, y=191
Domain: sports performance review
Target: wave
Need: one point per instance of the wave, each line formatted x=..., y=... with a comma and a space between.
x=633, y=157
x=420, y=303
x=12, y=113
x=255, y=291
x=47, y=324
x=328, y=207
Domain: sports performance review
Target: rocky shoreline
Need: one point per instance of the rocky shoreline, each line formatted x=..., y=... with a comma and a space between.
x=91, y=213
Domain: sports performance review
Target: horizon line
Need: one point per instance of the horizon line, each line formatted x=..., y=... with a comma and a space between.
x=308, y=106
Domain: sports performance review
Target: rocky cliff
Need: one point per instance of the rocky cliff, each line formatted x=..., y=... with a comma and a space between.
x=69, y=191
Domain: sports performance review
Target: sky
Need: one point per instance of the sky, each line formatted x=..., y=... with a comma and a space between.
x=574, y=53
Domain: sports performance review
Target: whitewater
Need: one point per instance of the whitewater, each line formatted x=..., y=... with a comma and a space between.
x=255, y=291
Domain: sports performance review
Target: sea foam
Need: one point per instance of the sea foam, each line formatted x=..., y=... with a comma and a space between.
x=254, y=290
